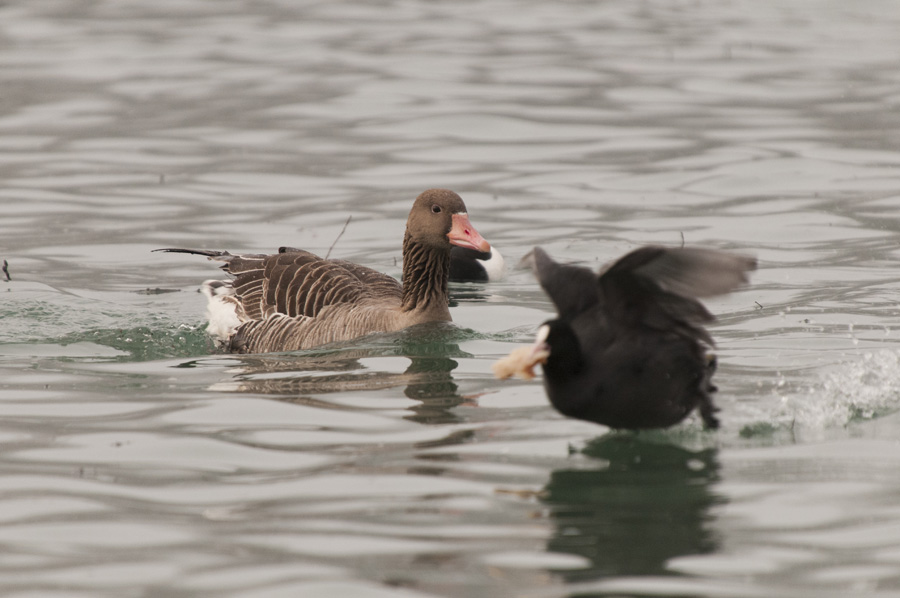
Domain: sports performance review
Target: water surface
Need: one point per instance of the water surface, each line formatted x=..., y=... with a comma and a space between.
x=135, y=460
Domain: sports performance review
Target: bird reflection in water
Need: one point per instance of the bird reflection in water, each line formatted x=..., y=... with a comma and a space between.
x=300, y=377
x=470, y=292
x=649, y=505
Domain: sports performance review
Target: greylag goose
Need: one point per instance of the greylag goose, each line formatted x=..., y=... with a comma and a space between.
x=470, y=265
x=296, y=300
x=628, y=349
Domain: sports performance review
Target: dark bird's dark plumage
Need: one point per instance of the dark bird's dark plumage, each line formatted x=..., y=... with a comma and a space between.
x=297, y=300
x=628, y=349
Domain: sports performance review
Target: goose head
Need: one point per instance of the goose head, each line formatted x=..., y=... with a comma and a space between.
x=438, y=219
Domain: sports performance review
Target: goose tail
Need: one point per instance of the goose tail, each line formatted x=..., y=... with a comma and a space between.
x=223, y=309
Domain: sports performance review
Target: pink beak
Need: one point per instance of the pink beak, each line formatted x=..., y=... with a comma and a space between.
x=462, y=233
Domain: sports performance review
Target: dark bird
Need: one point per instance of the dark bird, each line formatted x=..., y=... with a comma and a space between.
x=628, y=349
x=471, y=265
x=297, y=300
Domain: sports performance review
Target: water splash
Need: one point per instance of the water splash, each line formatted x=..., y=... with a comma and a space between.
x=861, y=390
x=847, y=393
x=40, y=320
x=145, y=343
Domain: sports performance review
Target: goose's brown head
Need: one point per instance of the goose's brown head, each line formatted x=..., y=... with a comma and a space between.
x=438, y=219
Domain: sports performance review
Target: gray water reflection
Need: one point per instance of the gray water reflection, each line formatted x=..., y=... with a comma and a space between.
x=650, y=502
x=427, y=379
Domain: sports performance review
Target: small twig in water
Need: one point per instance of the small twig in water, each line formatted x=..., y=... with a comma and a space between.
x=682, y=239
x=758, y=304
x=340, y=234
x=6, y=270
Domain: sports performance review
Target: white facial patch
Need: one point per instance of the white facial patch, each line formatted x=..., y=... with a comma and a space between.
x=495, y=266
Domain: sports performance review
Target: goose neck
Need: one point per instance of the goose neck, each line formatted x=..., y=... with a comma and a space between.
x=425, y=274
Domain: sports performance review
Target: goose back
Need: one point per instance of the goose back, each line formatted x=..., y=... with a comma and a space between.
x=294, y=283
x=296, y=300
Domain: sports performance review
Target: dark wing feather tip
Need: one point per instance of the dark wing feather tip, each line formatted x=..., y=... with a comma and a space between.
x=206, y=252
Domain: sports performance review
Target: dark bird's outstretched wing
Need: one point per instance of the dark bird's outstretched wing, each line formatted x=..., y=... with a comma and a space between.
x=659, y=287
x=573, y=289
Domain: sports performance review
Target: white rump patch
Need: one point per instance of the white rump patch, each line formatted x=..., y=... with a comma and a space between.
x=221, y=310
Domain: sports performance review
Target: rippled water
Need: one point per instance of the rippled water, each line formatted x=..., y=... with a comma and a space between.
x=135, y=461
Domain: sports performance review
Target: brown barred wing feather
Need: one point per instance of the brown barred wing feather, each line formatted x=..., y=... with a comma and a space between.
x=300, y=283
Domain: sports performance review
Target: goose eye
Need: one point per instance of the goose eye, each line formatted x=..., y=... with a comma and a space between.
x=436, y=209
